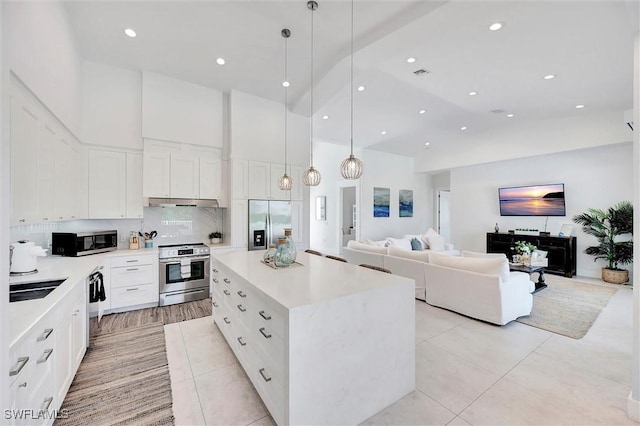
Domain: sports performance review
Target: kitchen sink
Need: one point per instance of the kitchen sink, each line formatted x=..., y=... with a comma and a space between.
x=34, y=290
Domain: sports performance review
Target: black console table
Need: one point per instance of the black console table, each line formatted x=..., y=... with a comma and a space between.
x=561, y=250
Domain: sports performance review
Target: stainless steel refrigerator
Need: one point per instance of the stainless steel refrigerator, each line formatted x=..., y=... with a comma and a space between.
x=267, y=221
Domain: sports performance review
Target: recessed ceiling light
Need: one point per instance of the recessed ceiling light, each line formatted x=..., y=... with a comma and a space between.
x=496, y=26
x=325, y=117
x=220, y=61
x=463, y=128
x=422, y=111
x=130, y=32
x=411, y=60
x=549, y=76
x=384, y=132
x=361, y=88
x=579, y=106
x=473, y=93
x=285, y=84
x=510, y=115
x=427, y=144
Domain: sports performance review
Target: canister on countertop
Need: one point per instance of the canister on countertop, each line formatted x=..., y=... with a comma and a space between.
x=133, y=241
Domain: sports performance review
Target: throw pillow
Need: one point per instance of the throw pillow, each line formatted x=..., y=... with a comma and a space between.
x=436, y=242
x=426, y=235
x=399, y=242
x=418, y=237
x=416, y=244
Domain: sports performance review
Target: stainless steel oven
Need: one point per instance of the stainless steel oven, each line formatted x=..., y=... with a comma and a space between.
x=184, y=273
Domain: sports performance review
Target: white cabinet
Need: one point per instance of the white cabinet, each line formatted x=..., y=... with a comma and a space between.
x=24, y=147
x=156, y=172
x=239, y=223
x=46, y=171
x=275, y=193
x=79, y=201
x=297, y=191
x=185, y=177
x=210, y=178
x=263, y=181
x=107, y=184
x=240, y=179
x=133, y=281
x=134, y=186
x=297, y=222
x=61, y=209
x=259, y=180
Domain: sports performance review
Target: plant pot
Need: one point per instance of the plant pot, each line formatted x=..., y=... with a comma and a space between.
x=216, y=240
x=615, y=276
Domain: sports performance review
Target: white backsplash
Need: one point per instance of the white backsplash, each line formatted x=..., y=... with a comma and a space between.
x=174, y=225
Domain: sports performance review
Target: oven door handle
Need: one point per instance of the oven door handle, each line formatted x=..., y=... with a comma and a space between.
x=182, y=293
x=177, y=260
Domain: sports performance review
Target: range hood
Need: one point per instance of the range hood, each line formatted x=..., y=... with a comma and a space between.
x=177, y=202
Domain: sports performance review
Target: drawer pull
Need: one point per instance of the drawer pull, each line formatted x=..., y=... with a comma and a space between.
x=132, y=269
x=215, y=271
x=45, y=335
x=226, y=280
x=242, y=308
x=264, y=375
x=22, y=361
x=226, y=319
x=227, y=292
x=242, y=342
x=132, y=289
x=132, y=261
x=241, y=293
x=264, y=333
x=265, y=315
x=215, y=280
x=46, y=403
x=215, y=303
x=22, y=385
x=45, y=356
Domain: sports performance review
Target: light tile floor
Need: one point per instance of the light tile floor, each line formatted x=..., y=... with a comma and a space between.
x=467, y=373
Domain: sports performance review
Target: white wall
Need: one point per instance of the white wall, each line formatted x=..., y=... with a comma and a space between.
x=111, y=106
x=597, y=177
x=41, y=50
x=256, y=131
x=395, y=172
x=526, y=138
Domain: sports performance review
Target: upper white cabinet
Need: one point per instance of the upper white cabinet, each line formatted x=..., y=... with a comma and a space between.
x=210, y=178
x=156, y=174
x=46, y=171
x=115, y=184
x=185, y=177
x=107, y=184
x=175, y=110
x=263, y=180
x=240, y=179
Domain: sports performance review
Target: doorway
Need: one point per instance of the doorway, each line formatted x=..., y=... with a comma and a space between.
x=444, y=214
x=348, y=215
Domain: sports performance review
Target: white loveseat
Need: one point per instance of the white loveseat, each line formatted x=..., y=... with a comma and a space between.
x=478, y=285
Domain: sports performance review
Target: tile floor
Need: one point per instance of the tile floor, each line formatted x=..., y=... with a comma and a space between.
x=467, y=373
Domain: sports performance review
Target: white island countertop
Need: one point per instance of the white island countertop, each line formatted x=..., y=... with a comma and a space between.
x=73, y=269
x=318, y=279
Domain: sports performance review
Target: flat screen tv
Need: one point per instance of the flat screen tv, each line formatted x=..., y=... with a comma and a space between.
x=538, y=200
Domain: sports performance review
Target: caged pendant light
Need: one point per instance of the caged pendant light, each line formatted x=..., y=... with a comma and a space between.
x=311, y=176
x=285, y=182
x=351, y=168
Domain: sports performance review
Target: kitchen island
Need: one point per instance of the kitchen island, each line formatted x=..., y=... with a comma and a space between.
x=324, y=342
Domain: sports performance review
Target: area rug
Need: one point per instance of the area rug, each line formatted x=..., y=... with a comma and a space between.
x=568, y=307
x=123, y=379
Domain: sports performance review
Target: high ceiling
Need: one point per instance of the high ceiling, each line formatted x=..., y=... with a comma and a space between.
x=587, y=45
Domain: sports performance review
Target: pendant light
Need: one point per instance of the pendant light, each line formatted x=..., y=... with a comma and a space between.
x=352, y=167
x=285, y=182
x=311, y=176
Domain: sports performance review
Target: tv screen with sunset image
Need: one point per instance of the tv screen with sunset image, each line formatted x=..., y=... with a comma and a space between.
x=538, y=200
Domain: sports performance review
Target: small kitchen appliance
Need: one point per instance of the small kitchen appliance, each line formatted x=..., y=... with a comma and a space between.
x=83, y=243
x=24, y=257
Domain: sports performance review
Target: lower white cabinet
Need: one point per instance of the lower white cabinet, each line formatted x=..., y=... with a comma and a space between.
x=133, y=281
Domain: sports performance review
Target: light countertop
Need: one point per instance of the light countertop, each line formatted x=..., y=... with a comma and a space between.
x=318, y=279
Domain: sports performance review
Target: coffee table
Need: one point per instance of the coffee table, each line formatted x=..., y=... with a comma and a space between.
x=540, y=284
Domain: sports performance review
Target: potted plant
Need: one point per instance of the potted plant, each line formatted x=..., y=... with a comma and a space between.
x=524, y=249
x=216, y=237
x=614, y=229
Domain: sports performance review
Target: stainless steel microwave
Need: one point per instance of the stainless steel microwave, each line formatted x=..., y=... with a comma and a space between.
x=83, y=243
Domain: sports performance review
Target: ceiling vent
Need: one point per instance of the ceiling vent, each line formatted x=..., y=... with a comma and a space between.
x=421, y=71
x=628, y=118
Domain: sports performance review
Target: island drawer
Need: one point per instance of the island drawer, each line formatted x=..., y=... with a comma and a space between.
x=271, y=349
x=263, y=314
x=269, y=388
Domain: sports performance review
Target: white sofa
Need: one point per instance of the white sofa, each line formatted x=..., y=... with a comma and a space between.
x=406, y=263
x=479, y=286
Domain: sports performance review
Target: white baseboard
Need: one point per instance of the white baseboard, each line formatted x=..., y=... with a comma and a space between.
x=633, y=408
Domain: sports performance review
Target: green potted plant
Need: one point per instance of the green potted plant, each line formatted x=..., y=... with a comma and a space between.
x=524, y=249
x=614, y=230
x=216, y=237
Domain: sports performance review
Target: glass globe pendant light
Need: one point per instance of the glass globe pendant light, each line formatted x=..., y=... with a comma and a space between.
x=285, y=182
x=311, y=176
x=351, y=168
